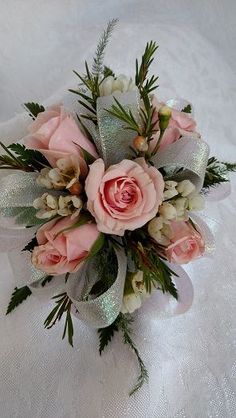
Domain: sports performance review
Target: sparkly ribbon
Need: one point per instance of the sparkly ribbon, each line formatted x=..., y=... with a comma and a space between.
x=17, y=193
x=114, y=140
x=104, y=309
x=188, y=154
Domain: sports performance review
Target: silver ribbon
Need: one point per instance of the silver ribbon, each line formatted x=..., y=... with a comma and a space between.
x=112, y=140
x=17, y=193
x=103, y=310
x=190, y=155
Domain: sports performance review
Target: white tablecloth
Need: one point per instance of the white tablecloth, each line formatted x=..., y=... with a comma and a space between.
x=191, y=358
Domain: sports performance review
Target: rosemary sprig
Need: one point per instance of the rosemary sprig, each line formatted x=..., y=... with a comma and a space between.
x=63, y=306
x=143, y=68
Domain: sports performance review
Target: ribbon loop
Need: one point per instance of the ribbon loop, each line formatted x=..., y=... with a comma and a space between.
x=189, y=154
x=114, y=140
x=103, y=310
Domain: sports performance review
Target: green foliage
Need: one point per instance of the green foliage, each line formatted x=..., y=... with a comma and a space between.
x=123, y=324
x=90, y=81
x=17, y=297
x=217, y=172
x=148, y=257
x=106, y=266
x=19, y=158
x=143, y=68
x=106, y=335
x=124, y=115
x=63, y=306
x=97, y=67
x=97, y=246
x=187, y=109
x=30, y=246
x=34, y=109
x=46, y=280
x=107, y=72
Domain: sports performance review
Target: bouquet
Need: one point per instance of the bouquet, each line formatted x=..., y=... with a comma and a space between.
x=107, y=191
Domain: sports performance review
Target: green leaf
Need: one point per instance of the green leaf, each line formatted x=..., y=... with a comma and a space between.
x=97, y=246
x=106, y=335
x=18, y=296
x=28, y=157
x=217, y=172
x=187, y=109
x=47, y=279
x=34, y=109
x=107, y=72
x=63, y=306
x=30, y=246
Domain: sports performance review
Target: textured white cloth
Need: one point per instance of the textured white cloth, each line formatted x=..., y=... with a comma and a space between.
x=190, y=358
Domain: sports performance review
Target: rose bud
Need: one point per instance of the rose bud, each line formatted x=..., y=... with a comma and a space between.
x=140, y=143
x=164, y=115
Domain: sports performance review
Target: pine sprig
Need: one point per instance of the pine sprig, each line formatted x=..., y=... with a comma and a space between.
x=33, y=109
x=97, y=67
x=17, y=297
x=143, y=68
x=63, y=306
x=124, y=325
x=217, y=172
x=106, y=335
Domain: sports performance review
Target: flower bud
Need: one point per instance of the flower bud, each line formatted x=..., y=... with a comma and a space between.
x=185, y=187
x=140, y=143
x=196, y=201
x=164, y=115
x=168, y=211
x=75, y=189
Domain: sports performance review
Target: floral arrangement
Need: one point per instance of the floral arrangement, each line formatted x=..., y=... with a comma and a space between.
x=109, y=190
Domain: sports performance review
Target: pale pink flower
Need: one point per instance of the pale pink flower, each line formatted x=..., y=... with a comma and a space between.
x=61, y=252
x=56, y=134
x=180, y=124
x=125, y=196
x=186, y=243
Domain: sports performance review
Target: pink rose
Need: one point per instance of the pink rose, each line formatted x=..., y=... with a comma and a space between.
x=125, y=196
x=186, y=243
x=56, y=134
x=180, y=124
x=60, y=253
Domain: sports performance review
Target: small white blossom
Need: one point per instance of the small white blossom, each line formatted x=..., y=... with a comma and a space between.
x=64, y=175
x=47, y=206
x=155, y=229
x=168, y=194
x=181, y=205
x=138, y=284
x=167, y=211
x=50, y=206
x=131, y=302
x=196, y=201
x=44, y=180
x=185, y=187
x=121, y=83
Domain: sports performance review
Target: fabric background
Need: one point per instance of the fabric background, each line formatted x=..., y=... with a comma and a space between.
x=191, y=357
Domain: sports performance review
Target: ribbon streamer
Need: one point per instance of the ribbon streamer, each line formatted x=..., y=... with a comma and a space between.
x=102, y=311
